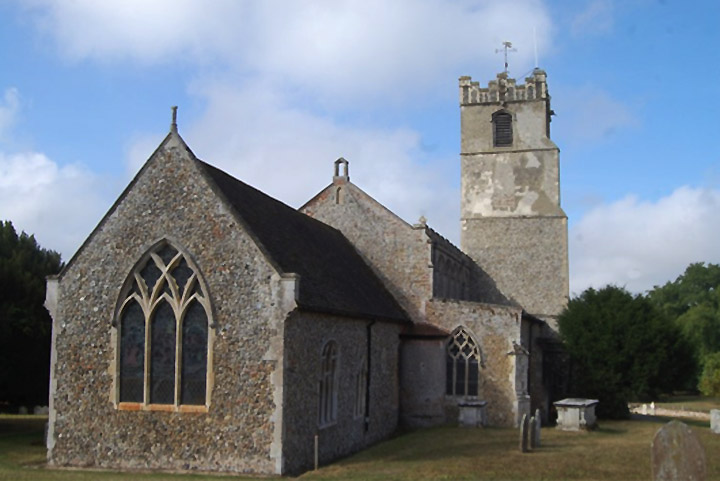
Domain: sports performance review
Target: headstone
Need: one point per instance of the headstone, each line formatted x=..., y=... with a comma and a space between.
x=538, y=426
x=22, y=410
x=643, y=410
x=677, y=454
x=715, y=421
x=652, y=408
x=524, y=434
x=532, y=426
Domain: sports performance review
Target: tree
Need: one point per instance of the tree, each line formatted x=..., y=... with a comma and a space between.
x=25, y=325
x=693, y=302
x=621, y=348
x=710, y=379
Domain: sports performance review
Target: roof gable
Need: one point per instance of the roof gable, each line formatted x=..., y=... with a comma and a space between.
x=333, y=276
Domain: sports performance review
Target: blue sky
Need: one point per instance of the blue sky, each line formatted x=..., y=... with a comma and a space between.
x=274, y=91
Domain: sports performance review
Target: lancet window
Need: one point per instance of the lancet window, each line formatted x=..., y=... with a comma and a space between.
x=164, y=320
x=328, y=385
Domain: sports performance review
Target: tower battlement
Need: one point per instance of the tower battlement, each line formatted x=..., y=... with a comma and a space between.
x=504, y=89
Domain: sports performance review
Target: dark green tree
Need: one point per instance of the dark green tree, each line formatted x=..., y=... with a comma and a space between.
x=25, y=324
x=622, y=348
x=693, y=302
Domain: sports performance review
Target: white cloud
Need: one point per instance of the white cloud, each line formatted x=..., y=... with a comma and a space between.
x=591, y=114
x=59, y=205
x=289, y=153
x=596, y=18
x=640, y=244
x=336, y=50
x=8, y=110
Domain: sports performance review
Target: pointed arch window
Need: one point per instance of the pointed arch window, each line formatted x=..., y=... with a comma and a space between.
x=328, y=385
x=462, y=364
x=164, y=325
x=502, y=128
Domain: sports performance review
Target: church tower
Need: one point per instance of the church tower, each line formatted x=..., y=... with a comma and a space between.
x=511, y=220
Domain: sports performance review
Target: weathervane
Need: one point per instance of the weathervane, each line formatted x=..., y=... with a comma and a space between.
x=507, y=47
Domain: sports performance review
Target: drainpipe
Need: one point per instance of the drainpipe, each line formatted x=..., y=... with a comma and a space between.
x=368, y=344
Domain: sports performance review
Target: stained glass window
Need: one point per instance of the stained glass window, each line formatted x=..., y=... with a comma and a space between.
x=162, y=356
x=132, y=353
x=194, y=355
x=176, y=352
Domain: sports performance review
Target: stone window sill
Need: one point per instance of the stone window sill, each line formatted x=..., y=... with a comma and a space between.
x=169, y=408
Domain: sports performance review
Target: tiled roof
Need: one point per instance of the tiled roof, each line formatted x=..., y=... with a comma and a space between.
x=333, y=276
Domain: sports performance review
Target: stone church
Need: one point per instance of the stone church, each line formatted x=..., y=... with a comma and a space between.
x=204, y=325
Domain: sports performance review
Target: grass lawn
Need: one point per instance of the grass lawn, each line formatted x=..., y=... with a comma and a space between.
x=619, y=450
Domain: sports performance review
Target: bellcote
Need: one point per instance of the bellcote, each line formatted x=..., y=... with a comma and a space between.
x=342, y=171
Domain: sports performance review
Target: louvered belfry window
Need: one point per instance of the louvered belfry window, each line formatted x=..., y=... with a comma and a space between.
x=164, y=321
x=502, y=129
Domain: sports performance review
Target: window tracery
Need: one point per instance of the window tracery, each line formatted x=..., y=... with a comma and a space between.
x=164, y=340
x=463, y=364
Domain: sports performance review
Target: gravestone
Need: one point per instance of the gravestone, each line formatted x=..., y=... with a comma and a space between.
x=524, y=434
x=715, y=421
x=531, y=433
x=677, y=454
x=538, y=426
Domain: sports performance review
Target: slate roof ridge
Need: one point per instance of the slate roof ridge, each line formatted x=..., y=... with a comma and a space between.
x=333, y=276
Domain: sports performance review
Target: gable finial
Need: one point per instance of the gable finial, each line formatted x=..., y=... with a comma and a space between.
x=173, y=125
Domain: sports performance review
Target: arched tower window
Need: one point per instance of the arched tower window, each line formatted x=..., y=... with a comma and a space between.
x=327, y=408
x=164, y=321
x=502, y=128
x=463, y=364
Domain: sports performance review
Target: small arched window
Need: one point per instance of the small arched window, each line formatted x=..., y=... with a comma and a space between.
x=502, y=128
x=163, y=322
x=463, y=364
x=327, y=408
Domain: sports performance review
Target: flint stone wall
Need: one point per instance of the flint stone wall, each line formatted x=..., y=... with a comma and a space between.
x=527, y=257
x=398, y=253
x=497, y=330
x=306, y=334
x=240, y=430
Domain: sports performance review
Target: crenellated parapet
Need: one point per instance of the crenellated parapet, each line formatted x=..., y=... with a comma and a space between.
x=504, y=89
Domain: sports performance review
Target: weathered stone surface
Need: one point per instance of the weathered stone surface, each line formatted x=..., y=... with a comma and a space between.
x=576, y=414
x=305, y=336
x=538, y=428
x=511, y=217
x=494, y=328
x=524, y=428
x=715, y=420
x=532, y=426
x=677, y=454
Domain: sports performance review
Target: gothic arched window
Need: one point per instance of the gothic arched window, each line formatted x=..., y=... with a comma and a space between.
x=164, y=321
x=327, y=408
x=502, y=129
x=463, y=364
